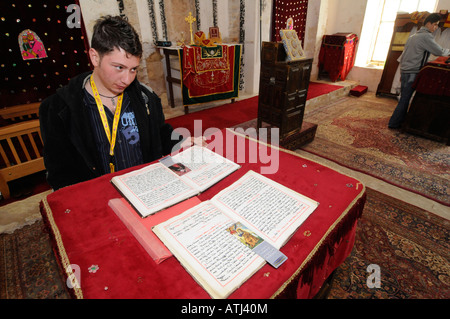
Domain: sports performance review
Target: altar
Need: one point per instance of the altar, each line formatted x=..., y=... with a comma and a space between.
x=209, y=70
x=207, y=73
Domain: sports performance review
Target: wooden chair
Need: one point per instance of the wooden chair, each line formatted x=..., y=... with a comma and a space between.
x=21, y=152
x=21, y=112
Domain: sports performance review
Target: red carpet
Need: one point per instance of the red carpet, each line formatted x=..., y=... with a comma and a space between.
x=231, y=114
x=220, y=117
x=316, y=89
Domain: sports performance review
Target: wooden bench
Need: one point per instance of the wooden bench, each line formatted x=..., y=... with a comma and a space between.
x=21, y=149
x=21, y=112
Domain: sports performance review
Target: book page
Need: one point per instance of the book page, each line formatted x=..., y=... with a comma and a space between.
x=152, y=188
x=204, y=167
x=268, y=208
x=200, y=241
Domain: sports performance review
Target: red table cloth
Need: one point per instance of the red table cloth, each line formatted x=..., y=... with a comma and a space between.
x=434, y=78
x=337, y=55
x=87, y=233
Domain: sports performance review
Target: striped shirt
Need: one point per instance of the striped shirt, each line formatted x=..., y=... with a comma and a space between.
x=127, y=151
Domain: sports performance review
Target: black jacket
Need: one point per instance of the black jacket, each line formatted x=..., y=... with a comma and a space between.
x=70, y=153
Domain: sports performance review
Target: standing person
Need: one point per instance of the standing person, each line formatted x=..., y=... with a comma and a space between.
x=105, y=120
x=414, y=56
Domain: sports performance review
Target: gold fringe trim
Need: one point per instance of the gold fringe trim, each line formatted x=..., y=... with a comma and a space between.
x=434, y=67
x=61, y=250
x=319, y=244
x=316, y=248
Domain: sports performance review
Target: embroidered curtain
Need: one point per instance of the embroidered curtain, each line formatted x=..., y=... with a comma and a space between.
x=285, y=9
x=39, y=52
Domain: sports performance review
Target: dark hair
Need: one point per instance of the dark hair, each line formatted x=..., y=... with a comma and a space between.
x=115, y=32
x=434, y=17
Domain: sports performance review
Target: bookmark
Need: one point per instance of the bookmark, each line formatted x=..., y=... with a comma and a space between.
x=258, y=245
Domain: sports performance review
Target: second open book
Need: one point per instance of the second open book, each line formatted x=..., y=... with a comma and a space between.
x=216, y=240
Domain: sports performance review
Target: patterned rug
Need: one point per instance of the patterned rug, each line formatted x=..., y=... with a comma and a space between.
x=411, y=247
x=353, y=132
x=28, y=268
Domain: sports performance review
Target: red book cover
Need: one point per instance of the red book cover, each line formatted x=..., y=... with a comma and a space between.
x=141, y=228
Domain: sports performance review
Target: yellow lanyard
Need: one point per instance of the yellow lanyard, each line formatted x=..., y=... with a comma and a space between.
x=101, y=110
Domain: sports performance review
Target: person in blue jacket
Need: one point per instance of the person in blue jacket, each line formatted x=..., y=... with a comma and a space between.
x=415, y=55
x=105, y=120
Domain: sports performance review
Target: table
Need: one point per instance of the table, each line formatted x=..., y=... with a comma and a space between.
x=429, y=113
x=337, y=55
x=112, y=264
x=200, y=73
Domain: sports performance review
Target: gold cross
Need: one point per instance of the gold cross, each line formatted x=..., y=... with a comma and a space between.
x=190, y=19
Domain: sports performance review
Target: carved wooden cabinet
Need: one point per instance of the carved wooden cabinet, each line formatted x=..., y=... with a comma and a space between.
x=283, y=88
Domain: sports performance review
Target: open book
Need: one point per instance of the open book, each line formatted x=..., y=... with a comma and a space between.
x=202, y=237
x=173, y=179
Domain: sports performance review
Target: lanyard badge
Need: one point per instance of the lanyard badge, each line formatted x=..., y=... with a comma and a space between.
x=101, y=110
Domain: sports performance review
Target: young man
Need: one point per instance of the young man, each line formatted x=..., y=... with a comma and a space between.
x=104, y=121
x=414, y=56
